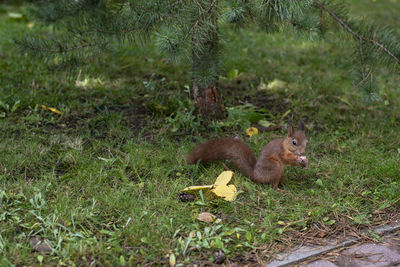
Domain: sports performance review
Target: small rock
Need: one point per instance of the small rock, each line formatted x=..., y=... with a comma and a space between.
x=39, y=244
x=371, y=255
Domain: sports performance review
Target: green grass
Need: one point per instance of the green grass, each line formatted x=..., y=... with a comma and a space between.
x=100, y=182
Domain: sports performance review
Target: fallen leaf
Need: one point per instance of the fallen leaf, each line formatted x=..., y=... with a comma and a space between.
x=321, y=234
x=224, y=178
x=51, y=109
x=220, y=187
x=276, y=85
x=227, y=192
x=251, y=131
x=206, y=217
x=197, y=187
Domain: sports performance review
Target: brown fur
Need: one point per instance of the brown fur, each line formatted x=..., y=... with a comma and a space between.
x=268, y=168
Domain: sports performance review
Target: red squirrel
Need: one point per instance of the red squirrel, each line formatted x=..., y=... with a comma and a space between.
x=268, y=168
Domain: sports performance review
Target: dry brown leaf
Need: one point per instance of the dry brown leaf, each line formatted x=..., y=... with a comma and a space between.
x=206, y=217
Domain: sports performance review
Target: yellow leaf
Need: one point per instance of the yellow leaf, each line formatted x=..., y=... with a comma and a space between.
x=226, y=192
x=251, y=131
x=232, y=187
x=55, y=110
x=51, y=109
x=197, y=187
x=220, y=187
x=224, y=178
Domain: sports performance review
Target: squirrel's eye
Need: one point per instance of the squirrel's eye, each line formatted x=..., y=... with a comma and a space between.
x=294, y=142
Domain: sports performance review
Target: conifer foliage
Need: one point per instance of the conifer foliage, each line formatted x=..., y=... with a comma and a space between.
x=189, y=30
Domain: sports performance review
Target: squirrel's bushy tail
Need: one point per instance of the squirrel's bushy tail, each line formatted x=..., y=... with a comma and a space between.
x=232, y=149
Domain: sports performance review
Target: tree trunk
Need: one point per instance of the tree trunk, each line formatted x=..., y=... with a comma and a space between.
x=206, y=64
x=207, y=101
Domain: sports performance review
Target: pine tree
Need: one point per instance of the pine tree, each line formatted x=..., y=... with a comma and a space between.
x=188, y=30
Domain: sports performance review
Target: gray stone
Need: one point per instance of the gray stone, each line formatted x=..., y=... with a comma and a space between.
x=320, y=263
x=369, y=255
x=387, y=229
x=39, y=244
x=303, y=253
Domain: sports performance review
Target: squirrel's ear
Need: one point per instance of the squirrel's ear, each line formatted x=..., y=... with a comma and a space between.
x=290, y=130
x=302, y=127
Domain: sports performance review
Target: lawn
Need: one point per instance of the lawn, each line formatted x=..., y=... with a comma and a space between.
x=98, y=183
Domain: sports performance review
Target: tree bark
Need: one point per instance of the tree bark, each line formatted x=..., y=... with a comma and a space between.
x=207, y=101
x=206, y=64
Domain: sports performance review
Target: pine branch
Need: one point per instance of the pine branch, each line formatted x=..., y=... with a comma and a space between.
x=202, y=16
x=361, y=38
x=241, y=12
x=197, y=24
x=60, y=50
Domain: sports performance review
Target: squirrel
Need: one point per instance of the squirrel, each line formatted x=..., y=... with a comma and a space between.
x=268, y=168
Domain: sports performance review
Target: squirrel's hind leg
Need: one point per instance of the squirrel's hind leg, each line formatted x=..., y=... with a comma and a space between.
x=268, y=172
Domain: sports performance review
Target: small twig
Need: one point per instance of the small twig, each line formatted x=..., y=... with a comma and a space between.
x=78, y=78
x=366, y=77
x=226, y=167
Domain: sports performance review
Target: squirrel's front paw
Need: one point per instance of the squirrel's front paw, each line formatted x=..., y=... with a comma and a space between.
x=303, y=161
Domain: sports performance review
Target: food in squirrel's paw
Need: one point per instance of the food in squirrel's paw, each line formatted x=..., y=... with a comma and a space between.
x=303, y=161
